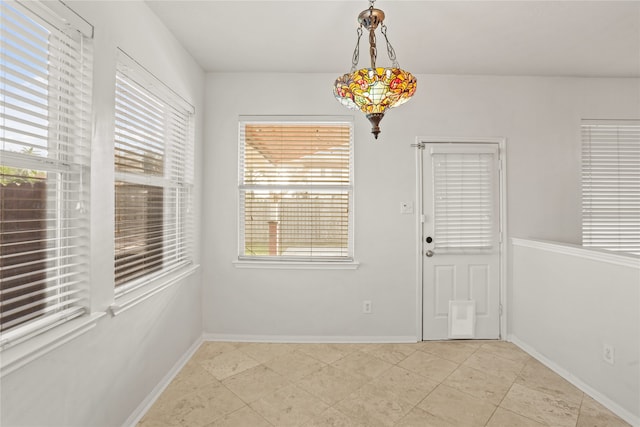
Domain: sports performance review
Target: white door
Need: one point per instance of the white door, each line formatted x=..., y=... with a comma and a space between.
x=461, y=240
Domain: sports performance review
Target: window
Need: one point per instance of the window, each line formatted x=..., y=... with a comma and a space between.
x=154, y=177
x=611, y=185
x=44, y=162
x=296, y=190
x=465, y=191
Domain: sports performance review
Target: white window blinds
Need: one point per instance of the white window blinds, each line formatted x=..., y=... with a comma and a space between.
x=611, y=185
x=465, y=191
x=154, y=177
x=44, y=162
x=296, y=190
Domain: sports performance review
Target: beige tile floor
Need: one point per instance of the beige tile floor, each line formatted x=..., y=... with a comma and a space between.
x=443, y=384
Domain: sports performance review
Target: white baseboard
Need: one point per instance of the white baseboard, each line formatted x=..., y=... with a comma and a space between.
x=595, y=394
x=151, y=398
x=305, y=339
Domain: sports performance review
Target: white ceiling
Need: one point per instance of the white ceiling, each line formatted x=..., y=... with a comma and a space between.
x=559, y=38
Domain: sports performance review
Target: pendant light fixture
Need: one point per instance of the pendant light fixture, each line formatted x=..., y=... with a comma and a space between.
x=374, y=90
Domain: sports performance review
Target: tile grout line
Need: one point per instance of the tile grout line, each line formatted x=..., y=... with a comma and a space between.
x=499, y=405
x=580, y=408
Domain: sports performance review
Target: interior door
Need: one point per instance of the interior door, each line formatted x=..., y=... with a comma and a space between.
x=461, y=239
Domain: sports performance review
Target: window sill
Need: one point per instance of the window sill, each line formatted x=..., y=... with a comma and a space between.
x=142, y=293
x=298, y=265
x=14, y=358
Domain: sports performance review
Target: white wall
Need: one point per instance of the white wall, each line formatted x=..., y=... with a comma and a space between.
x=568, y=302
x=100, y=378
x=540, y=118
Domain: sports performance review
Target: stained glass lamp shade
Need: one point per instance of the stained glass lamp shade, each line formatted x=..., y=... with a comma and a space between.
x=374, y=90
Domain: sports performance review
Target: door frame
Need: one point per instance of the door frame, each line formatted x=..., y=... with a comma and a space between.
x=502, y=188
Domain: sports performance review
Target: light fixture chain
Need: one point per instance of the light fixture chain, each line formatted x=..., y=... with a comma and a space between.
x=390, y=51
x=373, y=51
x=356, y=52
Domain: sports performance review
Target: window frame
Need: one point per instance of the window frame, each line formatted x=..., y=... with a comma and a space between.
x=67, y=165
x=179, y=216
x=301, y=262
x=600, y=149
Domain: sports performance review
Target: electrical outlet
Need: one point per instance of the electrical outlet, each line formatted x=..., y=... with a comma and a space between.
x=608, y=353
x=366, y=306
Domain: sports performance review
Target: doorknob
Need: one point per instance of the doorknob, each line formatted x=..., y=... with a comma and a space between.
x=429, y=253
